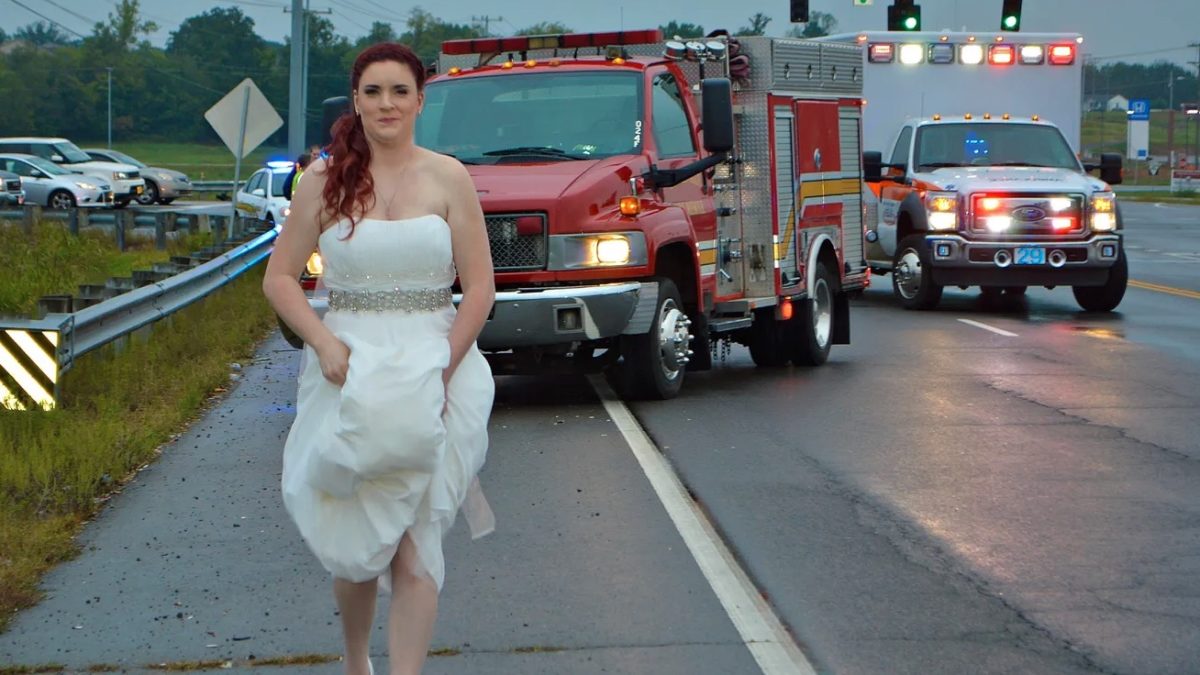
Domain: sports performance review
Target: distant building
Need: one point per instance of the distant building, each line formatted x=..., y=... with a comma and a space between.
x=1117, y=102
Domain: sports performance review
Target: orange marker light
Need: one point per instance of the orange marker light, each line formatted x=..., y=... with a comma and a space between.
x=630, y=206
x=786, y=310
x=990, y=203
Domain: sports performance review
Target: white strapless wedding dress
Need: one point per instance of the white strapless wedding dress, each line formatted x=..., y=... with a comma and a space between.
x=367, y=462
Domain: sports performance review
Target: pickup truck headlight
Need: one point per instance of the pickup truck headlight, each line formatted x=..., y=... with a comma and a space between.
x=584, y=251
x=942, y=208
x=1104, y=212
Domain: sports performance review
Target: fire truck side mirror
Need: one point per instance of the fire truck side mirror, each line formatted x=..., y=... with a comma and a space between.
x=331, y=109
x=717, y=114
x=872, y=166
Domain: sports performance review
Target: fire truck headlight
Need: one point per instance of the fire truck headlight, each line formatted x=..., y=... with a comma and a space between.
x=942, y=209
x=1104, y=212
x=610, y=249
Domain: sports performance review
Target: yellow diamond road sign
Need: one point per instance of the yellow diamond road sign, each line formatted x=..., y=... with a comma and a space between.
x=261, y=118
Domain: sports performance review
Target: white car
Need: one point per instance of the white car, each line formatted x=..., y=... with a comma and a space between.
x=51, y=185
x=126, y=180
x=262, y=195
x=162, y=185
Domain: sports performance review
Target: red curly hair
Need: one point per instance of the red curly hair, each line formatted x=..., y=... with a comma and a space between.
x=349, y=186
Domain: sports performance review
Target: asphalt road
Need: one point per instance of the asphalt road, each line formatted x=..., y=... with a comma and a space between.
x=938, y=498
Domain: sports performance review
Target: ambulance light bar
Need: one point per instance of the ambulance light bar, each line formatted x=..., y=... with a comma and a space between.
x=560, y=41
x=969, y=53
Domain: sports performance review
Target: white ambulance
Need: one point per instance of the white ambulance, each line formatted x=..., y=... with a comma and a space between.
x=973, y=170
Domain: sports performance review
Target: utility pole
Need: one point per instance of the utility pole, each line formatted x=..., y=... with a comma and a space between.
x=486, y=21
x=296, y=77
x=1197, y=64
x=109, y=69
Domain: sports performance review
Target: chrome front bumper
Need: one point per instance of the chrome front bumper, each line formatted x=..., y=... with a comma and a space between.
x=565, y=314
x=957, y=261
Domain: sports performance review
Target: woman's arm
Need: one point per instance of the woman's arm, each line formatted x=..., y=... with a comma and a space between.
x=281, y=285
x=472, y=258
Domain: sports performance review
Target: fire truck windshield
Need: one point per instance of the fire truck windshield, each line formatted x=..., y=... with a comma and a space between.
x=945, y=144
x=533, y=116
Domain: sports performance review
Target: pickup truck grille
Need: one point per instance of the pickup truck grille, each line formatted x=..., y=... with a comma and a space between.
x=1044, y=215
x=12, y=185
x=514, y=249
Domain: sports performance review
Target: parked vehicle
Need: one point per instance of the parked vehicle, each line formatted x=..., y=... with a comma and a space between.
x=162, y=185
x=50, y=185
x=262, y=195
x=125, y=179
x=11, y=192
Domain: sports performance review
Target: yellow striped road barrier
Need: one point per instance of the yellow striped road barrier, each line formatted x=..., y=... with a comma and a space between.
x=28, y=369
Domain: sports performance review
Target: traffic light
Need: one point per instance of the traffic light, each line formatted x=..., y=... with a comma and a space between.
x=1010, y=15
x=799, y=11
x=903, y=15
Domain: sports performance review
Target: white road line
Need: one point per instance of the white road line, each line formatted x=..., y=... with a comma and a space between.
x=761, y=630
x=979, y=324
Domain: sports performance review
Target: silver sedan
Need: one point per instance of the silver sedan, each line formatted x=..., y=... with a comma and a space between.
x=51, y=185
x=162, y=185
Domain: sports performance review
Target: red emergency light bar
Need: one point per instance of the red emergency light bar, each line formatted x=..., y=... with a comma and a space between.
x=1062, y=55
x=561, y=41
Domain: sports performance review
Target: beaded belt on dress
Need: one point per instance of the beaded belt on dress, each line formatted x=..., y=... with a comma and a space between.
x=402, y=300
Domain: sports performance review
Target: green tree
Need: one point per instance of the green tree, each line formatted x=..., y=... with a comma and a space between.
x=380, y=32
x=680, y=29
x=819, y=23
x=41, y=33
x=545, y=28
x=426, y=33
x=125, y=29
x=758, y=25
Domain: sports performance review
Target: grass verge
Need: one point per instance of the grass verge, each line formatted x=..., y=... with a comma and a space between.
x=119, y=406
x=51, y=260
x=1161, y=197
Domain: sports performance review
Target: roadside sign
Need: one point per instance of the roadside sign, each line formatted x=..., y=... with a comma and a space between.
x=1139, y=110
x=245, y=102
x=1185, y=180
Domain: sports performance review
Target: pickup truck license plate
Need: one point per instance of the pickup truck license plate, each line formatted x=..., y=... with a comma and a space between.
x=1030, y=255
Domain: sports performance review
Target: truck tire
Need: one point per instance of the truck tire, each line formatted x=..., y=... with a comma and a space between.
x=655, y=361
x=911, y=283
x=1105, y=298
x=812, y=327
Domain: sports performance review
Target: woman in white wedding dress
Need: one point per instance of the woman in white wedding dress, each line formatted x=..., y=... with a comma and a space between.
x=394, y=396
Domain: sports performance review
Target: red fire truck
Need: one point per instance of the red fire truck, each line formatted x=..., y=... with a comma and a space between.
x=646, y=205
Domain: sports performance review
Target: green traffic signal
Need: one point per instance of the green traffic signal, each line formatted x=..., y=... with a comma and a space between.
x=1010, y=22
x=910, y=23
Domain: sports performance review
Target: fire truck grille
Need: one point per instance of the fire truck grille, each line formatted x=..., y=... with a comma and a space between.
x=514, y=249
x=1027, y=215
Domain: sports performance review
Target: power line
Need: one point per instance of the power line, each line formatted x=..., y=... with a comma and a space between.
x=75, y=14
x=1145, y=53
x=48, y=19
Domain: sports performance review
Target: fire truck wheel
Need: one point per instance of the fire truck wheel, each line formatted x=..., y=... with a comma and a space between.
x=1105, y=298
x=910, y=282
x=654, y=362
x=812, y=334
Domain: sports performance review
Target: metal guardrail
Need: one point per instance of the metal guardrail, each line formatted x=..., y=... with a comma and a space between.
x=214, y=185
x=34, y=353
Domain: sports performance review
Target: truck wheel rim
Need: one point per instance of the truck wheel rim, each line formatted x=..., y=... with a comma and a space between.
x=673, y=338
x=822, y=309
x=908, y=274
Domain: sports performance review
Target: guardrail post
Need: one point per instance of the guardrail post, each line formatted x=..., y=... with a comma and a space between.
x=73, y=221
x=160, y=230
x=120, y=222
x=32, y=213
x=200, y=223
x=85, y=219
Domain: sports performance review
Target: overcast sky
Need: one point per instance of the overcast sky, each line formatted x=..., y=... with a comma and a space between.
x=1128, y=30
